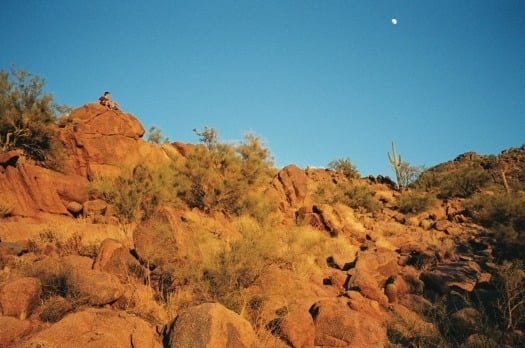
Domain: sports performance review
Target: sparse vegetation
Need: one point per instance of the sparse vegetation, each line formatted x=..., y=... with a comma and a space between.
x=416, y=201
x=510, y=282
x=357, y=196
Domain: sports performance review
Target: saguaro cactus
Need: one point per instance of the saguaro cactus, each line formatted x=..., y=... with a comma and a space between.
x=395, y=160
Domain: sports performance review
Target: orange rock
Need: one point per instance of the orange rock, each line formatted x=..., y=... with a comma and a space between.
x=20, y=297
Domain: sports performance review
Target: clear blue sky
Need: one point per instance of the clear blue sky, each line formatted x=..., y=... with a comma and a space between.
x=317, y=80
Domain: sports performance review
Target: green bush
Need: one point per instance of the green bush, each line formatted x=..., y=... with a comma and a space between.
x=346, y=167
x=220, y=271
x=416, y=201
x=361, y=196
x=463, y=182
x=219, y=176
x=27, y=118
x=504, y=214
x=136, y=193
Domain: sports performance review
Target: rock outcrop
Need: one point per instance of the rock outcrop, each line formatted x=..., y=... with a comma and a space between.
x=210, y=325
x=97, y=328
x=99, y=142
x=367, y=282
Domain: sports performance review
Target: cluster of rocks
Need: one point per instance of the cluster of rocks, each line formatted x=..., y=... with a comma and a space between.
x=373, y=293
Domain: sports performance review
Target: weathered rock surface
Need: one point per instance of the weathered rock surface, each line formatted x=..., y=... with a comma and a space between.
x=20, y=297
x=97, y=328
x=336, y=325
x=97, y=288
x=444, y=277
x=210, y=325
x=291, y=183
x=296, y=328
x=113, y=257
x=31, y=189
x=12, y=329
x=100, y=141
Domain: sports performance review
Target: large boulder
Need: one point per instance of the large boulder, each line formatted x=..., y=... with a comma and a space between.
x=97, y=288
x=113, y=257
x=296, y=328
x=336, y=325
x=31, y=189
x=12, y=329
x=291, y=184
x=99, y=142
x=89, y=286
x=20, y=297
x=445, y=277
x=210, y=325
x=97, y=328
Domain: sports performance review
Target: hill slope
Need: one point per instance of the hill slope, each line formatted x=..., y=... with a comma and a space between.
x=139, y=244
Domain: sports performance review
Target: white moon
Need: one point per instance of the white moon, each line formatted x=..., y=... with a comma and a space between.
x=394, y=21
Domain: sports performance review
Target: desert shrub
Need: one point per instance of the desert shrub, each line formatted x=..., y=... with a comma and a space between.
x=74, y=245
x=346, y=167
x=239, y=264
x=215, y=270
x=261, y=206
x=55, y=308
x=136, y=193
x=58, y=280
x=504, y=214
x=408, y=329
x=510, y=282
x=330, y=192
x=358, y=196
x=219, y=176
x=416, y=201
x=27, y=117
x=462, y=182
x=361, y=196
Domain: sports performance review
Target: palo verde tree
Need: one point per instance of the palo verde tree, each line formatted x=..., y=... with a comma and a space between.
x=221, y=176
x=27, y=116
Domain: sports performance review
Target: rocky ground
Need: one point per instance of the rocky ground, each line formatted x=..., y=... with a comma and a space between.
x=72, y=275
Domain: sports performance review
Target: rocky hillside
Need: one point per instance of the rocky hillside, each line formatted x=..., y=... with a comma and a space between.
x=316, y=271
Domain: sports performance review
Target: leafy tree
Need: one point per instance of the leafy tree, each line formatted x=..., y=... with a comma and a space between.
x=27, y=117
x=346, y=167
